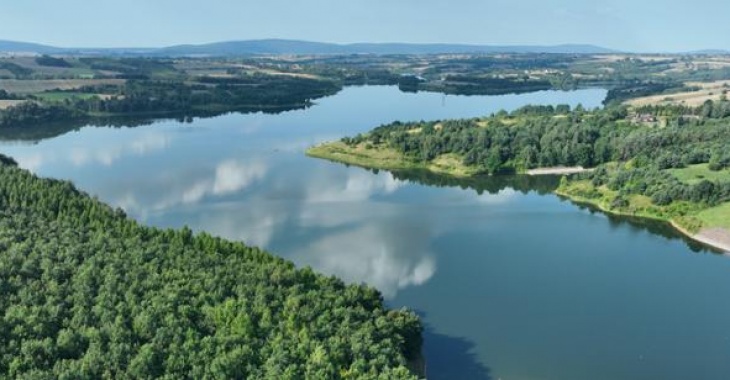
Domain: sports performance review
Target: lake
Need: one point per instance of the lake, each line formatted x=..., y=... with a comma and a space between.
x=512, y=281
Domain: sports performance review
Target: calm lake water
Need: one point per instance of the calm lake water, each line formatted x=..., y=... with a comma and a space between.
x=512, y=281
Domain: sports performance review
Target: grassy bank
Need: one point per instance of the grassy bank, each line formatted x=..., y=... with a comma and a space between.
x=371, y=156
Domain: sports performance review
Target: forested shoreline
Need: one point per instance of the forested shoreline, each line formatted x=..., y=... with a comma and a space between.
x=665, y=162
x=89, y=293
x=154, y=97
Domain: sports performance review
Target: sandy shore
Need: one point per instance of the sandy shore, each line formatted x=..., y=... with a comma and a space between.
x=558, y=170
x=716, y=237
x=713, y=236
x=10, y=103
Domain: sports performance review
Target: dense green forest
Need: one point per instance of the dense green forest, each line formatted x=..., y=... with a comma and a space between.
x=676, y=159
x=533, y=136
x=91, y=294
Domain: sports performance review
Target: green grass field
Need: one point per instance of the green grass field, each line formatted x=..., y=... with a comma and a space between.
x=58, y=96
x=696, y=173
x=382, y=157
x=718, y=216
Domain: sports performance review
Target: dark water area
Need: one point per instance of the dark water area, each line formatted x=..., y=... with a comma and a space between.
x=512, y=281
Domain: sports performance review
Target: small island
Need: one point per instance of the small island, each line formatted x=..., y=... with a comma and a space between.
x=665, y=162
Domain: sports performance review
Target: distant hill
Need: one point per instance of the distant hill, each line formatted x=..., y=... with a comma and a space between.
x=709, y=52
x=25, y=47
x=281, y=46
x=278, y=46
x=275, y=46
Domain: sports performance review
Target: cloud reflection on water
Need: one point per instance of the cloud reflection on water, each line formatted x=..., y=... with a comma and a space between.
x=389, y=256
x=363, y=238
x=190, y=187
x=104, y=153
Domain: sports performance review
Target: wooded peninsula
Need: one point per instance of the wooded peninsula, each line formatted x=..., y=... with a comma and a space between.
x=663, y=162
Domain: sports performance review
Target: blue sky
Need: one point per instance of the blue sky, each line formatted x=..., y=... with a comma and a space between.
x=635, y=25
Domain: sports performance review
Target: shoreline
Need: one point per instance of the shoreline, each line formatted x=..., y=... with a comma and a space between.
x=558, y=170
x=337, y=152
x=715, y=237
x=721, y=243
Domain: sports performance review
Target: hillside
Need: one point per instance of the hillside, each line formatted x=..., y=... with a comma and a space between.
x=26, y=47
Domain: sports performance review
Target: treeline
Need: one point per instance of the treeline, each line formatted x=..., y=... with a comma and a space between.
x=18, y=72
x=638, y=88
x=682, y=143
x=162, y=96
x=4, y=95
x=32, y=113
x=485, y=85
x=139, y=68
x=47, y=60
x=709, y=110
x=90, y=294
x=661, y=186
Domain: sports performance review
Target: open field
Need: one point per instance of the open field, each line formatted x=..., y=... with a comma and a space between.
x=696, y=173
x=9, y=103
x=718, y=216
x=35, y=86
x=59, y=96
x=708, y=91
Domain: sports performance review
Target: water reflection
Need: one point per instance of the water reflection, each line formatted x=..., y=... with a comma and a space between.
x=51, y=130
x=329, y=220
x=387, y=254
x=490, y=184
x=107, y=154
x=186, y=186
x=105, y=151
x=656, y=228
x=451, y=358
